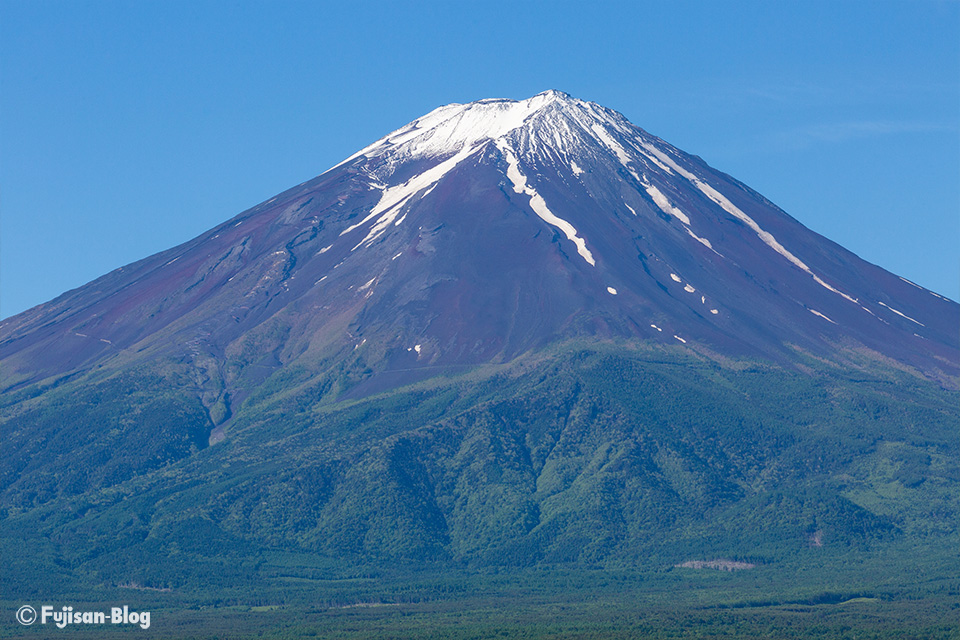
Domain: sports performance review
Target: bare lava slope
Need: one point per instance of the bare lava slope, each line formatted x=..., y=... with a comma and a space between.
x=479, y=232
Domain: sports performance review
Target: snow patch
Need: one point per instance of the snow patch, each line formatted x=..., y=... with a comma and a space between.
x=732, y=209
x=576, y=168
x=689, y=289
x=612, y=144
x=702, y=241
x=538, y=204
x=642, y=148
x=934, y=294
x=611, y=291
x=817, y=313
x=661, y=201
x=714, y=311
x=629, y=207
x=657, y=328
x=901, y=314
x=675, y=277
x=679, y=338
x=910, y=282
x=393, y=198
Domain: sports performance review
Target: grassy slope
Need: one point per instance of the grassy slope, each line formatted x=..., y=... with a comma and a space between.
x=547, y=494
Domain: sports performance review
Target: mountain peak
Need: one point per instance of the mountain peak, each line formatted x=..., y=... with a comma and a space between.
x=552, y=96
x=555, y=94
x=460, y=127
x=484, y=230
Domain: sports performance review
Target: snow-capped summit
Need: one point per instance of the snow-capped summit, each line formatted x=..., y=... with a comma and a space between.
x=481, y=231
x=454, y=127
x=547, y=124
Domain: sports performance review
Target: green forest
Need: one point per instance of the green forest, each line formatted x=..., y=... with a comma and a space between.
x=554, y=497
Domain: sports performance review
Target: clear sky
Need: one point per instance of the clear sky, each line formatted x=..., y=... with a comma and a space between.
x=127, y=127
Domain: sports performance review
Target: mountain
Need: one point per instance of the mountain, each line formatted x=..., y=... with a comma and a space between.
x=485, y=230
x=508, y=334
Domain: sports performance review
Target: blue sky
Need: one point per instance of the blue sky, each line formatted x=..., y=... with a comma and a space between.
x=130, y=127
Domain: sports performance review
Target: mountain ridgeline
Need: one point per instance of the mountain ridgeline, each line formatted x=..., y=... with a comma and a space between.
x=511, y=334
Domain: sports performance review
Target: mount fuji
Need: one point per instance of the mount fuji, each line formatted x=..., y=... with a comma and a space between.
x=509, y=333
x=481, y=231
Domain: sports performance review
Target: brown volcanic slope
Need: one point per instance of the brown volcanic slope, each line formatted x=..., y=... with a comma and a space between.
x=477, y=233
